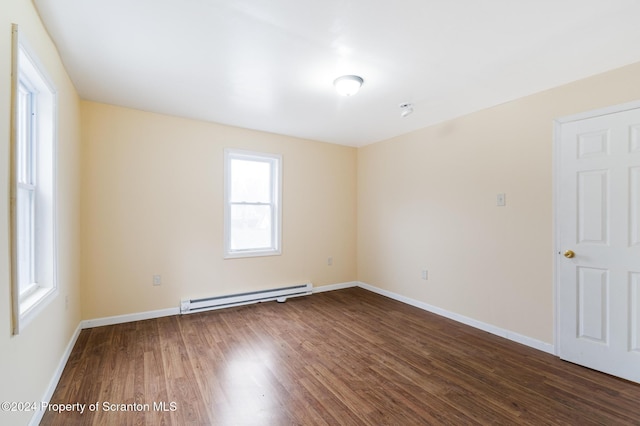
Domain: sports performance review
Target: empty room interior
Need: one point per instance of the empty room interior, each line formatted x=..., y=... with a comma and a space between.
x=453, y=240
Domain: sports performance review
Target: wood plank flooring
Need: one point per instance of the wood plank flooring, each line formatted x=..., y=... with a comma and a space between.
x=346, y=357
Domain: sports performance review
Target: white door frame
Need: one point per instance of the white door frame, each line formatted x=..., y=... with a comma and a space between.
x=557, y=137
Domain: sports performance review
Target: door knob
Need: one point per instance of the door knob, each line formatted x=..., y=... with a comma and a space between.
x=569, y=254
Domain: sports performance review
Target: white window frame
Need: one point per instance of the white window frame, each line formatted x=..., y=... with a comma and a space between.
x=275, y=163
x=33, y=167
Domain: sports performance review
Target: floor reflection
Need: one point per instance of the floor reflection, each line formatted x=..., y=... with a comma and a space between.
x=249, y=385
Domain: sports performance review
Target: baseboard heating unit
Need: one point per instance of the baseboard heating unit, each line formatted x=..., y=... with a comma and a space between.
x=280, y=294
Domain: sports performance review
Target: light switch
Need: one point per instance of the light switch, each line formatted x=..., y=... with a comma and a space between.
x=501, y=200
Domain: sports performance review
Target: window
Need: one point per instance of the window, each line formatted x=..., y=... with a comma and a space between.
x=252, y=204
x=33, y=148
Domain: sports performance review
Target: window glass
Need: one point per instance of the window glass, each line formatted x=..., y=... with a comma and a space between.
x=250, y=181
x=252, y=204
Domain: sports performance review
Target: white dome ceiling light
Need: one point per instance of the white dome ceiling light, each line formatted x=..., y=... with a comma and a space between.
x=348, y=85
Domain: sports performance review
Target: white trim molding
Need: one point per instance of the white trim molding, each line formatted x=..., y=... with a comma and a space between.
x=121, y=319
x=139, y=316
x=612, y=109
x=507, y=334
x=338, y=286
x=57, y=374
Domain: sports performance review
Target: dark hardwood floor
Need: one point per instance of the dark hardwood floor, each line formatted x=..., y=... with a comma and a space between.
x=346, y=357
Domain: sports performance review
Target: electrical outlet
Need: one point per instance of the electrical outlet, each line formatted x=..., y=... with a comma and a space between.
x=425, y=274
x=157, y=279
x=329, y=261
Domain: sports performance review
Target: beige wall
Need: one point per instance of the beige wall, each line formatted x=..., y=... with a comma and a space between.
x=153, y=204
x=428, y=200
x=28, y=361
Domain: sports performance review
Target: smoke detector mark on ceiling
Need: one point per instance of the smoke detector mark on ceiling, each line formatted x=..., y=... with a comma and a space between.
x=405, y=109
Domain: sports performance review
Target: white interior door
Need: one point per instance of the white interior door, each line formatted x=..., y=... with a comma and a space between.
x=598, y=289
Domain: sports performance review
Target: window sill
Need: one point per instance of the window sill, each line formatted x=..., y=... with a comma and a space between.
x=34, y=303
x=252, y=253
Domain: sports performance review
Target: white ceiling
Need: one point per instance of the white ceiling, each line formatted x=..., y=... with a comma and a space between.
x=270, y=64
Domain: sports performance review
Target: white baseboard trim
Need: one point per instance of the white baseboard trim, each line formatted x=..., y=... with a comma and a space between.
x=510, y=335
x=332, y=287
x=53, y=383
x=120, y=319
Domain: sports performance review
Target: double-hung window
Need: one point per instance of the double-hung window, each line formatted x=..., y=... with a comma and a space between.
x=33, y=186
x=253, y=192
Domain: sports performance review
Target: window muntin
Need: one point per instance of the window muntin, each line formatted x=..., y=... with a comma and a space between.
x=252, y=204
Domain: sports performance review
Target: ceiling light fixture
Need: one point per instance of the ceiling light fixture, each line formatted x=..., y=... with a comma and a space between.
x=348, y=85
x=405, y=109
